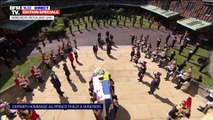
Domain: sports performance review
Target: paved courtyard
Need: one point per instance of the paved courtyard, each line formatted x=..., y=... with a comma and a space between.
x=135, y=102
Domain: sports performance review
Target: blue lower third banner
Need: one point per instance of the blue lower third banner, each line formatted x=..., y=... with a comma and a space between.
x=58, y=106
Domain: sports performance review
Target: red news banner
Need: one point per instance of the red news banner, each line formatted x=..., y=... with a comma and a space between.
x=40, y=12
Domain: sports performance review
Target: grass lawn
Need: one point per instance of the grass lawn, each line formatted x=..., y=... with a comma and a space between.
x=207, y=80
x=23, y=67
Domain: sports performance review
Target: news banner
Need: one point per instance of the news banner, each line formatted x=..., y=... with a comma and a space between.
x=32, y=13
x=57, y=106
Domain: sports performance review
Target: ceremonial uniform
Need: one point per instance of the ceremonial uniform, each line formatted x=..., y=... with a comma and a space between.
x=56, y=84
x=53, y=57
x=71, y=59
x=67, y=72
x=155, y=83
x=36, y=72
x=60, y=52
x=46, y=60
x=23, y=82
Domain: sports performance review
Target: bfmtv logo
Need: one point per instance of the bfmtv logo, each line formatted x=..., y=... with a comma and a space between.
x=15, y=10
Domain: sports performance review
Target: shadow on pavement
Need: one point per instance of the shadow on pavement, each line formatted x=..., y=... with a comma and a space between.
x=81, y=78
x=146, y=83
x=64, y=99
x=99, y=58
x=79, y=63
x=149, y=75
x=74, y=87
x=112, y=57
x=164, y=100
x=122, y=114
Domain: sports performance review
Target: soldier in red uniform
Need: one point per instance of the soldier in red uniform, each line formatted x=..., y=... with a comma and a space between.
x=60, y=52
x=22, y=81
x=53, y=57
x=71, y=57
x=46, y=60
x=36, y=72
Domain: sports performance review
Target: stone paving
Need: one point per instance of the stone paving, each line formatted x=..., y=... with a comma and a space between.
x=135, y=102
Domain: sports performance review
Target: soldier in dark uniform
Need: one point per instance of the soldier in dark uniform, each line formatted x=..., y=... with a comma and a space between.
x=91, y=23
x=109, y=49
x=107, y=33
x=73, y=21
x=86, y=26
x=132, y=39
x=98, y=23
x=172, y=55
x=104, y=22
x=142, y=71
x=125, y=21
x=111, y=40
x=196, y=48
x=83, y=19
x=56, y=84
x=79, y=21
x=95, y=49
x=158, y=42
x=141, y=21
x=75, y=54
x=110, y=22
x=67, y=72
x=181, y=48
x=132, y=54
x=78, y=27
x=117, y=21
x=190, y=55
x=155, y=82
x=173, y=42
x=167, y=39
x=70, y=27
x=204, y=63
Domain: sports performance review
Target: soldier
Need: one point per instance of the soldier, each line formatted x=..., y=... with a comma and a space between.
x=132, y=39
x=173, y=42
x=107, y=33
x=91, y=23
x=46, y=60
x=22, y=81
x=109, y=48
x=158, y=42
x=86, y=26
x=68, y=46
x=75, y=54
x=159, y=25
x=173, y=53
x=134, y=21
x=125, y=21
x=141, y=21
x=53, y=57
x=71, y=57
x=75, y=42
x=196, y=48
x=60, y=52
x=117, y=22
x=142, y=71
x=56, y=84
x=70, y=28
x=110, y=22
x=181, y=48
x=132, y=54
x=98, y=23
x=36, y=72
x=95, y=49
x=167, y=39
x=67, y=72
x=155, y=82
x=78, y=27
x=190, y=55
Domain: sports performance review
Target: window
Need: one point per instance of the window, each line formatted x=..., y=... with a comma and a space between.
x=209, y=11
x=190, y=6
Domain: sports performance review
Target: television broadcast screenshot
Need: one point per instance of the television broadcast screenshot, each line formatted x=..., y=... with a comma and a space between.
x=106, y=60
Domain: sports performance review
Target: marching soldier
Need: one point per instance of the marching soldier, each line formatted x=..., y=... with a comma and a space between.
x=158, y=42
x=141, y=21
x=95, y=49
x=53, y=57
x=91, y=23
x=125, y=21
x=56, y=84
x=167, y=38
x=86, y=26
x=36, y=72
x=117, y=21
x=46, y=60
x=71, y=57
x=22, y=81
x=142, y=71
x=70, y=27
x=67, y=72
x=60, y=52
x=68, y=46
x=78, y=27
